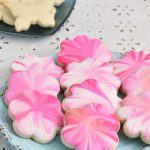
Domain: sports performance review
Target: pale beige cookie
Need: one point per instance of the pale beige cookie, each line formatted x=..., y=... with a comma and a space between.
x=28, y=1
x=41, y=12
x=58, y=2
x=5, y=15
x=3, y=1
x=42, y=22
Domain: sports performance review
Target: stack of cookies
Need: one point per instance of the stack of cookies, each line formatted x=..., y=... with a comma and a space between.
x=32, y=100
x=89, y=116
x=24, y=13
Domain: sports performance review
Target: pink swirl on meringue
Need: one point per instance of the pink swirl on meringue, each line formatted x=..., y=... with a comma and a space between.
x=91, y=91
x=130, y=63
x=135, y=113
x=138, y=82
x=81, y=48
x=32, y=79
x=89, y=128
x=36, y=116
x=46, y=64
x=89, y=69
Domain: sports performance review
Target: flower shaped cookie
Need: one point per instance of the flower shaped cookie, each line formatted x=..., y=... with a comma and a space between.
x=58, y=2
x=37, y=116
x=81, y=48
x=135, y=112
x=91, y=91
x=89, y=69
x=5, y=15
x=46, y=63
x=32, y=79
x=89, y=128
x=27, y=14
x=130, y=63
x=137, y=82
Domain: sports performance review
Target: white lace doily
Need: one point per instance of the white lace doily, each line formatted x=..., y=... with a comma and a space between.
x=121, y=24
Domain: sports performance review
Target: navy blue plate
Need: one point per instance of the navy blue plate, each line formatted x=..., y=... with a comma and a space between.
x=63, y=12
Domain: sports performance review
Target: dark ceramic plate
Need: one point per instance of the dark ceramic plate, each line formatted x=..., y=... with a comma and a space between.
x=63, y=13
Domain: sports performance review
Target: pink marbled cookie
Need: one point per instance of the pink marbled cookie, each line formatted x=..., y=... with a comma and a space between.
x=36, y=116
x=130, y=63
x=81, y=48
x=90, y=128
x=138, y=82
x=135, y=113
x=91, y=91
x=46, y=64
x=89, y=69
x=32, y=79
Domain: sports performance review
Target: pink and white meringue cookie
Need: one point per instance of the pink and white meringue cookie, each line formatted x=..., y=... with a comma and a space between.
x=89, y=69
x=46, y=64
x=32, y=79
x=91, y=91
x=138, y=82
x=90, y=128
x=36, y=116
x=130, y=63
x=135, y=113
x=81, y=48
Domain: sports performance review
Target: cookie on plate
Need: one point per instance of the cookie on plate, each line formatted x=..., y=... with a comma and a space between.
x=135, y=114
x=31, y=13
x=5, y=15
x=91, y=91
x=89, y=69
x=90, y=128
x=58, y=2
x=37, y=116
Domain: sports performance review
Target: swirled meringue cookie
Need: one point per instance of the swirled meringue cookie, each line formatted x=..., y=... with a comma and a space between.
x=46, y=63
x=36, y=116
x=138, y=82
x=90, y=128
x=130, y=63
x=81, y=48
x=91, y=91
x=89, y=69
x=135, y=113
x=32, y=79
